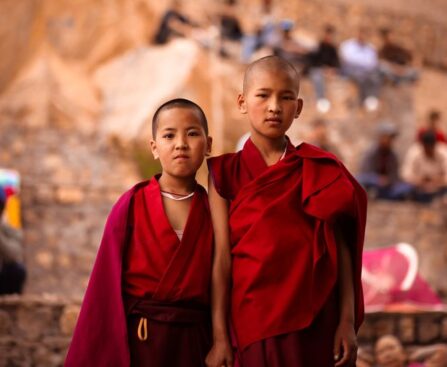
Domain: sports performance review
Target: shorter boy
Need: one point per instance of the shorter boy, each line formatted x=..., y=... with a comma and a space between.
x=147, y=302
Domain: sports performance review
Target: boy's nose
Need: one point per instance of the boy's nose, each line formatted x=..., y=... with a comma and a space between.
x=181, y=143
x=274, y=105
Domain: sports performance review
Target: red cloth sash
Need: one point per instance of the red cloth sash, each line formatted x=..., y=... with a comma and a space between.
x=157, y=263
x=283, y=247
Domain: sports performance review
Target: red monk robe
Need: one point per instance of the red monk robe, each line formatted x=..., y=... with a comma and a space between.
x=144, y=271
x=284, y=302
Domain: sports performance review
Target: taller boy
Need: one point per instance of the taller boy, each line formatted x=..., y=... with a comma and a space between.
x=293, y=220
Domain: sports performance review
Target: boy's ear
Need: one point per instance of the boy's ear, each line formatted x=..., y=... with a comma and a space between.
x=299, y=107
x=241, y=103
x=209, y=144
x=154, y=149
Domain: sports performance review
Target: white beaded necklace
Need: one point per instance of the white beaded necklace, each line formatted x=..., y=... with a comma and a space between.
x=176, y=197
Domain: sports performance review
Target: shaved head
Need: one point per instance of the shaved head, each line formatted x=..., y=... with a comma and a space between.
x=271, y=64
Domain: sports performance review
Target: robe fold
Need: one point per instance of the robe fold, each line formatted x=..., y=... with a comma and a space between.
x=283, y=248
x=143, y=270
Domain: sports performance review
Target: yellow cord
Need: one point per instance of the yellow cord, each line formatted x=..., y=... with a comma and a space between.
x=142, y=329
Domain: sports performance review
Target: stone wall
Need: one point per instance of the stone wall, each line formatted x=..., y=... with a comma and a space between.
x=36, y=331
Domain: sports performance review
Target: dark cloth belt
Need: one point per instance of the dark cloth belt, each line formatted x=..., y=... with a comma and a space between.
x=166, y=312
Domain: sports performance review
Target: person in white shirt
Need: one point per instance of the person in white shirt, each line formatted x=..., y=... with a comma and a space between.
x=425, y=167
x=360, y=63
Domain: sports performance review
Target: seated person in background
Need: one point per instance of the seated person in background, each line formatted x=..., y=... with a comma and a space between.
x=434, y=117
x=425, y=167
x=379, y=170
x=320, y=138
x=173, y=24
x=262, y=30
x=230, y=28
x=360, y=63
x=12, y=271
x=389, y=352
x=395, y=61
x=290, y=48
x=432, y=356
x=323, y=62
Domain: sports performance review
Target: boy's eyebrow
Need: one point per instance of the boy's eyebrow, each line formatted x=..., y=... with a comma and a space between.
x=269, y=89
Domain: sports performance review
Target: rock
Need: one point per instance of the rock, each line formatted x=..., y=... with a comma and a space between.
x=428, y=329
x=131, y=99
x=69, y=195
x=67, y=321
x=406, y=329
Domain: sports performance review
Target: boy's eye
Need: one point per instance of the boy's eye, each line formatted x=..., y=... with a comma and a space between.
x=261, y=95
x=288, y=98
x=168, y=136
x=193, y=133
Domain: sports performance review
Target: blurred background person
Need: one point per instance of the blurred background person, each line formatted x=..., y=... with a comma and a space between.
x=425, y=167
x=395, y=60
x=323, y=63
x=12, y=270
x=319, y=136
x=360, y=63
x=379, y=170
x=174, y=23
x=432, y=355
x=389, y=352
x=291, y=48
x=432, y=124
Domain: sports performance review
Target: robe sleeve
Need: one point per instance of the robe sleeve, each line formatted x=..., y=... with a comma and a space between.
x=100, y=336
x=334, y=196
x=223, y=171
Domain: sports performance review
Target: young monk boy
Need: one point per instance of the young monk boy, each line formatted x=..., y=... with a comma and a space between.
x=293, y=221
x=147, y=302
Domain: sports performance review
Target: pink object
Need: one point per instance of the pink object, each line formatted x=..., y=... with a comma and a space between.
x=390, y=277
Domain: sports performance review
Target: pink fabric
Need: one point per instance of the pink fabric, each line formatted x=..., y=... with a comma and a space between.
x=390, y=277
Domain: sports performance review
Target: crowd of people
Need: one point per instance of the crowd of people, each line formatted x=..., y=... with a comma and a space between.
x=355, y=59
x=422, y=176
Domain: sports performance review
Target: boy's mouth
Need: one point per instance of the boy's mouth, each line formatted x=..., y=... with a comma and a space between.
x=181, y=157
x=274, y=120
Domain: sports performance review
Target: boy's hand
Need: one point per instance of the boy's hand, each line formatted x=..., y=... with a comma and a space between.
x=220, y=355
x=345, y=345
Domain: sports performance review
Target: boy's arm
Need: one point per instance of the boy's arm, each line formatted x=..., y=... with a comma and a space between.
x=345, y=337
x=221, y=353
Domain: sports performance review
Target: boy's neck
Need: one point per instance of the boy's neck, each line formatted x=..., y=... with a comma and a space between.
x=177, y=185
x=270, y=149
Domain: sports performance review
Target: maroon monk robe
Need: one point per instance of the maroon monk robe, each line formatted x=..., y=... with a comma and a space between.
x=176, y=301
x=284, y=251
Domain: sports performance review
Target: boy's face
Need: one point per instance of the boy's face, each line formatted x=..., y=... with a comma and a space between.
x=180, y=142
x=271, y=103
